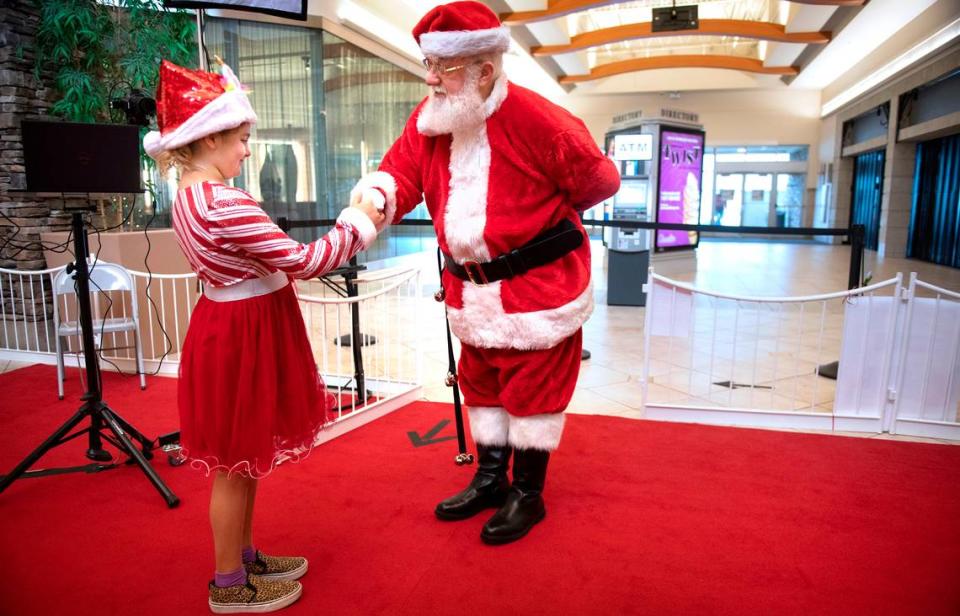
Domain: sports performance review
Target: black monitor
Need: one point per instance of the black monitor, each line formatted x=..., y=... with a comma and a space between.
x=671, y=18
x=291, y=9
x=69, y=157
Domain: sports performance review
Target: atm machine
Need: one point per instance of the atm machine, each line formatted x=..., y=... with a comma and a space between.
x=628, y=250
x=661, y=163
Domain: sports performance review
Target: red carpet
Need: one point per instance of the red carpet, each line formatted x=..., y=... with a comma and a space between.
x=643, y=518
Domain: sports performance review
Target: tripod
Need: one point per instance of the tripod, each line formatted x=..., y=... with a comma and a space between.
x=101, y=416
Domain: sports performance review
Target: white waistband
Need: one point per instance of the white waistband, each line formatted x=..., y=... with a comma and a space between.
x=245, y=289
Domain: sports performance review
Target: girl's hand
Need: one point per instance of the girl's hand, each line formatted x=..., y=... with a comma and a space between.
x=365, y=203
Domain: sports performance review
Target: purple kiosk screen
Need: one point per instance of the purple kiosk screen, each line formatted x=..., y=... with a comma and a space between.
x=678, y=192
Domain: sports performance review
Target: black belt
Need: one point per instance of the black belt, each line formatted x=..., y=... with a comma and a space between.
x=546, y=247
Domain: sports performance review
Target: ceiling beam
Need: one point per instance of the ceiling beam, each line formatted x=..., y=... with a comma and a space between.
x=735, y=63
x=559, y=8
x=716, y=27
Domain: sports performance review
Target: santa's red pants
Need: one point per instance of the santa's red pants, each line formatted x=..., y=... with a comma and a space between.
x=522, y=382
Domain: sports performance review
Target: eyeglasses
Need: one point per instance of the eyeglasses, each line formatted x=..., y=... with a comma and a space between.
x=435, y=66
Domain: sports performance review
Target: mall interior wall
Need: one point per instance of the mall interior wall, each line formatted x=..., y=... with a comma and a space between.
x=846, y=134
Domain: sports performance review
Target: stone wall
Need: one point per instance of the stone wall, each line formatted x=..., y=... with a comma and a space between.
x=23, y=216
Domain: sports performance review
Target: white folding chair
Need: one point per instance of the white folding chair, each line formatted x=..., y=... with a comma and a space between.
x=105, y=277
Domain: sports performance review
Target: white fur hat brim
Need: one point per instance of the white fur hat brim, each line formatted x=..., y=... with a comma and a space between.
x=229, y=110
x=462, y=43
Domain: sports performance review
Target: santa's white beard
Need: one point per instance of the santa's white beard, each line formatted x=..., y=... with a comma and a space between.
x=450, y=113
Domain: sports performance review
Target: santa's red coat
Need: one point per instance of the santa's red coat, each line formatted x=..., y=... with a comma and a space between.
x=492, y=189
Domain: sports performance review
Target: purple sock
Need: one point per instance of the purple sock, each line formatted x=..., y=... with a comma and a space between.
x=231, y=578
x=249, y=554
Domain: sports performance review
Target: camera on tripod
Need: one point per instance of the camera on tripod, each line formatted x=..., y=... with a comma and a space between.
x=138, y=106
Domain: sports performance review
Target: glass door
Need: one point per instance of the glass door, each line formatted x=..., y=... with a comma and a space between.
x=755, y=186
x=789, y=199
x=744, y=199
x=728, y=199
x=757, y=193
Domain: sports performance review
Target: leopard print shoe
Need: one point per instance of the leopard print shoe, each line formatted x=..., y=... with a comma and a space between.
x=257, y=596
x=277, y=567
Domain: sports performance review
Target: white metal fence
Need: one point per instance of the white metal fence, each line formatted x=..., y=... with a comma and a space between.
x=924, y=389
x=387, y=305
x=388, y=309
x=760, y=361
x=28, y=329
x=26, y=312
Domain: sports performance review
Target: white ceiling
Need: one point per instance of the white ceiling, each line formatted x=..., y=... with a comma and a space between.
x=792, y=17
x=861, y=32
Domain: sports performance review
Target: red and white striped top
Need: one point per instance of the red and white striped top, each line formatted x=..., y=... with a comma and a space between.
x=227, y=237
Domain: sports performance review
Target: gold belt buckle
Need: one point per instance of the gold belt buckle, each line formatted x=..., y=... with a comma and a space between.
x=475, y=273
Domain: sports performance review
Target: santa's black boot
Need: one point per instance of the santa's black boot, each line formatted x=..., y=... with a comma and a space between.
x=488, y=488
x=524, y=506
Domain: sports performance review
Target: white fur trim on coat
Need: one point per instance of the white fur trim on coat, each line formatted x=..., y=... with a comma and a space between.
x=385, y=182
x=541, y=432
x=489, y=425
x=463, y=43
x=361, y=222
x=497, y=95
x=229, y=110
x=465, y=214
x=483, y=323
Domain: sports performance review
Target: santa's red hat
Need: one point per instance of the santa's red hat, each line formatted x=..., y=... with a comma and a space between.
x=192, y=104
x=461, y=29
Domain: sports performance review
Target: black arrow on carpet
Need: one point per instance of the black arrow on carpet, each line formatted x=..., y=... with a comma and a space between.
x=427, y=439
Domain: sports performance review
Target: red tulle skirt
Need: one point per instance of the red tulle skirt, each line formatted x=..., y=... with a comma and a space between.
x=249, y=394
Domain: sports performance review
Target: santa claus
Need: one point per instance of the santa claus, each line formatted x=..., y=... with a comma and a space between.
x=504, y=174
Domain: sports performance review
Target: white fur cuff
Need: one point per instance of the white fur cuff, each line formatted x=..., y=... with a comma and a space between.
x=385, y=182
x=541, y=432
x=361, y=222
x=488, y=425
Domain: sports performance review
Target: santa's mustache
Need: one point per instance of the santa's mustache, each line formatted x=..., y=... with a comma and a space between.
x=447, y=112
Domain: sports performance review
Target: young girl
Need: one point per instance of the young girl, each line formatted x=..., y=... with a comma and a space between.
x=249, y=393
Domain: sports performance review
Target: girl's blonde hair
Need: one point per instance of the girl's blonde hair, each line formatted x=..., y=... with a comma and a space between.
x=180, y=158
